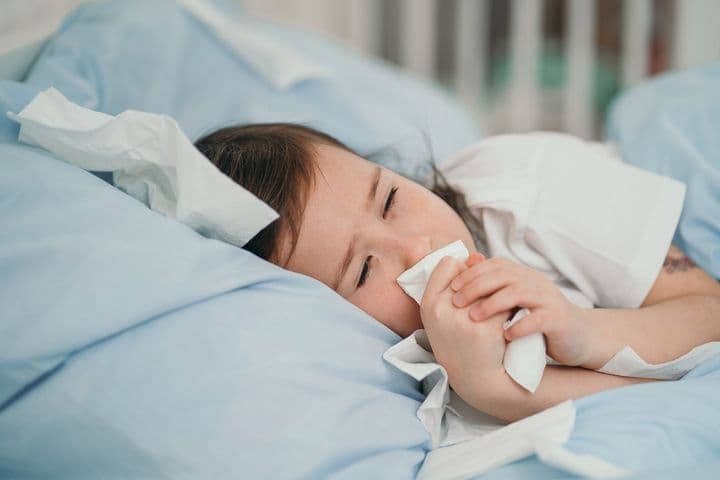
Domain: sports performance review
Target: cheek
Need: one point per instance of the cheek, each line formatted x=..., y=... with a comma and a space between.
x=394, y=309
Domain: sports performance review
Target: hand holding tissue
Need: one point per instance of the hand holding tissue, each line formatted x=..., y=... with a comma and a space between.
x=524, y=359
x=151, y=159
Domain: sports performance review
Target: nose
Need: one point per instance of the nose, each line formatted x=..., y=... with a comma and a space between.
x=414, y=248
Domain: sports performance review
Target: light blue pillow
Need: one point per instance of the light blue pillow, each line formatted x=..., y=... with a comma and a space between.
x=671, y=125
x=132, y=347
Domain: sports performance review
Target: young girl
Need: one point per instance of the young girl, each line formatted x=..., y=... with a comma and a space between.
x=576, y=236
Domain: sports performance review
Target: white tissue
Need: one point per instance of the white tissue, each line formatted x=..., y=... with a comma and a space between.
x=414, y=280
x=151, y=159
x=524, y=359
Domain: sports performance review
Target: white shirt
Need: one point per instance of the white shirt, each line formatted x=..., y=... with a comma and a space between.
x=598, y=228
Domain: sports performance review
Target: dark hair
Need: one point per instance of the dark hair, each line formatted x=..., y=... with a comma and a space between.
x=275, y=162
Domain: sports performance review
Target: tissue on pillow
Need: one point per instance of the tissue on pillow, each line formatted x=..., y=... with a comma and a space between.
x=151, y=160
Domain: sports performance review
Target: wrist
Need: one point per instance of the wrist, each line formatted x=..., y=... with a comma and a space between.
x=498, y=395
x=595, y=356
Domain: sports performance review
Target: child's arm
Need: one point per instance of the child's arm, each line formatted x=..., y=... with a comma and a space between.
x=472, y=352
x=681, y=311
x=498, y=395
x=658, y=333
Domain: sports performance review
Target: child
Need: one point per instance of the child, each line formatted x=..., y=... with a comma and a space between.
x=568, y=226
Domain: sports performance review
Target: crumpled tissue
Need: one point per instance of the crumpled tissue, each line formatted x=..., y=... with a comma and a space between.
x=151, y=159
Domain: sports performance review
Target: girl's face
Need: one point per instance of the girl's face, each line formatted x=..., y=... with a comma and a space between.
x=363, y=225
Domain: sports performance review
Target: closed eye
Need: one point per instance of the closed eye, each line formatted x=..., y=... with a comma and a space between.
x=366, y=265
x=390, y=201
x=364, y=273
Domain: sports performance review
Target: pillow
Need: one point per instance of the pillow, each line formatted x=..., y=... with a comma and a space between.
x=670, y=125
x=130, y=346
x=111, y=56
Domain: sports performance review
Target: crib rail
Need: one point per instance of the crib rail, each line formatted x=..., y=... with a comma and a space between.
x=523, y=103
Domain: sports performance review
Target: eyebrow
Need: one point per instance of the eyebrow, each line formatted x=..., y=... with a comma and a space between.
x=351, y=248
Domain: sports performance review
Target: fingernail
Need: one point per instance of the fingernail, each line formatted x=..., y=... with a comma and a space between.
x=474, y=258
x=455, y=285
x=459, y=299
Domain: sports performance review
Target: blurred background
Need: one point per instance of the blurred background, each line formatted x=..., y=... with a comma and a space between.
x=517, y=65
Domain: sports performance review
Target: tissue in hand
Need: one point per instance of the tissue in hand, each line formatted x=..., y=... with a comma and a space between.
x=524, y=358
x=414, y=280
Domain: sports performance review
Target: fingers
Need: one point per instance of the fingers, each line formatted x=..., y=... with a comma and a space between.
x=479, y=267
x=446, y=270
x=503, y=300
x=474, y=259
x=435, y=303
x=479, y=287
x=530, y=323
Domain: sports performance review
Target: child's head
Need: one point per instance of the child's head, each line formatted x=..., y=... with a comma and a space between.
x=343, y=220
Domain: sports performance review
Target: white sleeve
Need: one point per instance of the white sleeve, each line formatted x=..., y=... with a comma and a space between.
x=605, y=225
x=573, y=210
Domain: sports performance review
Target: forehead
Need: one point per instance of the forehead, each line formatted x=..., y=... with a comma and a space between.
x=335, y=165
x=334, y=201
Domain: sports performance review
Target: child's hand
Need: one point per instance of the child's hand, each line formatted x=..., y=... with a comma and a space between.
x=497, y=285
x=471, y=352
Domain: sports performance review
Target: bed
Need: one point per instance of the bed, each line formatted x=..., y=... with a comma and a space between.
x=132, y=347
